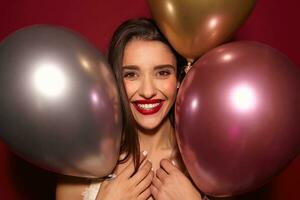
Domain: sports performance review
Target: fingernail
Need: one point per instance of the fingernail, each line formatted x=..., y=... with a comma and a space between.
x=145, y=153
x=152, y=169
x=111, y=176
x=173, y=162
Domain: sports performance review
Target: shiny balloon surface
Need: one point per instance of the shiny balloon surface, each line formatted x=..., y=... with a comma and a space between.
x=237, y=117
x=195, y=26
x=59, y=103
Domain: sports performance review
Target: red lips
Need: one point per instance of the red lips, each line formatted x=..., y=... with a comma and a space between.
x=148, y=106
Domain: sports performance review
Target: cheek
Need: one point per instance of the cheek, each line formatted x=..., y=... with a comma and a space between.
x=130, y=88
x=170, y=88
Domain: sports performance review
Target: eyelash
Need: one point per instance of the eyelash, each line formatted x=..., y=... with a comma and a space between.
x=129, y=75
x=164, y=73
x=132, y=75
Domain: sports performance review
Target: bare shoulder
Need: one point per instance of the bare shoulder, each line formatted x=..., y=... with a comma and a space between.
x=71, y=187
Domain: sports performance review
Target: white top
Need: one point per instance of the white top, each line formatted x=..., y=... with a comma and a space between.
x=91, y=192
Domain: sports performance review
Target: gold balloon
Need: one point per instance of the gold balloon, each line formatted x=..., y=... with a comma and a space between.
x=196, y=26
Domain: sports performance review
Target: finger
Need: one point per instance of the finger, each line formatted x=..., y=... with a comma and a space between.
x=168, y=166
x=161, y=174
x=156, y=182
x=143, y=159
x=154, y=191
x=145, y=194
x=142, y=173
x=145, y=183
x=129, y=169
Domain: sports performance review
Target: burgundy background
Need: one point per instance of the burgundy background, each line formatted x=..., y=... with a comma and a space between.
x=273, y=22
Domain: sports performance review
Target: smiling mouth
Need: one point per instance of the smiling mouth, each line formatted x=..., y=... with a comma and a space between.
x=148, y=107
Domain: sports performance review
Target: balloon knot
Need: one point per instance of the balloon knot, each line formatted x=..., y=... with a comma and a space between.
x=188, y=67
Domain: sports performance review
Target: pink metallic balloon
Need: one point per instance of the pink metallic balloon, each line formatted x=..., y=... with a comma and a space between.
x=237, y=117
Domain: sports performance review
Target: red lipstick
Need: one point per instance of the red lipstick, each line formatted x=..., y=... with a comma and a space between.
x=148, y=107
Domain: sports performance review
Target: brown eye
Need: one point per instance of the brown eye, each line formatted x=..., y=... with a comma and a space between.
x=130, y=75
x=164, y=73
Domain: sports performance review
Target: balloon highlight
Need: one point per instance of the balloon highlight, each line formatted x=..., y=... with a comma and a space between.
x=59, y=104
x=237, y=117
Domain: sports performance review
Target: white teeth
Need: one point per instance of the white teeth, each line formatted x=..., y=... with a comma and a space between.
x=147, y=106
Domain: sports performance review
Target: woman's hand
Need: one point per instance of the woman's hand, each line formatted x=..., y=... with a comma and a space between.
x=128, y=188
x=171, y=184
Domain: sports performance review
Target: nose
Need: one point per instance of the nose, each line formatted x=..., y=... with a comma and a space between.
x=147, y=88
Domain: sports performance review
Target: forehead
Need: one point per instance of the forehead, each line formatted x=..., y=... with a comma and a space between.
x=147, y=53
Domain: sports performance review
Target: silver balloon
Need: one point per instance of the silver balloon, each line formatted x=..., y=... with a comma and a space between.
x=59, y=103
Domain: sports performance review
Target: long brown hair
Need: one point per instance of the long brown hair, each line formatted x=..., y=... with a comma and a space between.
x=144, y=29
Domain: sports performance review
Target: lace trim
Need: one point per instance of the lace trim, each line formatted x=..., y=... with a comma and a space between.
x=205, y=198
x=91, y=192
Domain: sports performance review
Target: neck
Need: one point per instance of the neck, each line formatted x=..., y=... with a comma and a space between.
x=160, y=138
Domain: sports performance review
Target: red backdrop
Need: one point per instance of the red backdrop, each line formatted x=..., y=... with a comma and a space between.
x=272, y=22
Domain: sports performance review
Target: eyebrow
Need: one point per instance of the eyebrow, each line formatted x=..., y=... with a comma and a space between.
x=135, y=67
x=165, y=66
x=130, y=67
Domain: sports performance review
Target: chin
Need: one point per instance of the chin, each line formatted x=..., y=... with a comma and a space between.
x=148, y=125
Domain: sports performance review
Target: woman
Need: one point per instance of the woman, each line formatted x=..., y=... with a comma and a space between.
x=146, y=69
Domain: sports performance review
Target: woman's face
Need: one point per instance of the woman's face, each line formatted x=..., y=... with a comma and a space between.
x=149, y=74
